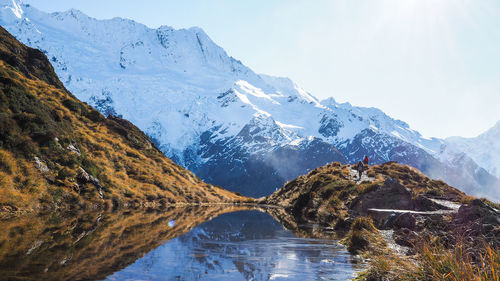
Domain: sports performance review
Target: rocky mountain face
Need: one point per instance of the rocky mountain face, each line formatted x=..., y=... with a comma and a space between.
x=57, y=152
x=212, y=114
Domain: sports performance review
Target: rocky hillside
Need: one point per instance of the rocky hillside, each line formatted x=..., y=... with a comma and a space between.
x=394, y=214
x=213, y=115
x=56, y=151
x=333, y=193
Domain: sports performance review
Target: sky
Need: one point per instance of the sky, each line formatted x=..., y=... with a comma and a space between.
x=434, y=64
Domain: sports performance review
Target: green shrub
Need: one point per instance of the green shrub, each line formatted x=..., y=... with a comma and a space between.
x=357, y=242
x=64, y=173
x=57, y=194
x=74, y=106
x=326, y=192
x=348, y=190
x=68, y=159
x=361, y=223
x=26, y=147
x=91, y=168
x=435, y=192
x=132, y=154
x=95, y=116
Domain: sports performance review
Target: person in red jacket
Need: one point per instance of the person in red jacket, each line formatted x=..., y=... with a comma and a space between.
x=366, y=161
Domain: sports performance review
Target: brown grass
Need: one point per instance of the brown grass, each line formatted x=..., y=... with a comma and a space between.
x=131, y=170
x=415, y=180
x=467, y=199
x=94, y=244
x=364, y=237
x=437, y=263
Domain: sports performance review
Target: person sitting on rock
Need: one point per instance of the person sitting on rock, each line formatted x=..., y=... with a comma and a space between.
x=360, y=168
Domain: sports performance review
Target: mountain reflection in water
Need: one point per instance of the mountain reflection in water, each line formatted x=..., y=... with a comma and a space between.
x=247, y=245
x=175, y=244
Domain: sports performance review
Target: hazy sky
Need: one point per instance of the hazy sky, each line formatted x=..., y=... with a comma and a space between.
x=432, y=63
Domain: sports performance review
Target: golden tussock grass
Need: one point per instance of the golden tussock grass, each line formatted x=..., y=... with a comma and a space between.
x=130, y=169
x=458, y=264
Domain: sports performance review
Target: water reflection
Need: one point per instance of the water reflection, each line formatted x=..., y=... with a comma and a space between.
x=89, y=246
x=247, y=245
x=175, y=244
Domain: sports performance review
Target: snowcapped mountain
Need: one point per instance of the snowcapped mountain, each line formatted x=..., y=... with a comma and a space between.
x=483, y=149
x=209, y=112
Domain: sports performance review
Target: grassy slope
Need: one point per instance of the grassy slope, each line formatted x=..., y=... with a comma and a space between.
x=326, y=195
x=40, y=118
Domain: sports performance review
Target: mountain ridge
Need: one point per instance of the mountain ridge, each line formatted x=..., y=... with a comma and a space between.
x=202, y=107
x=482, y=148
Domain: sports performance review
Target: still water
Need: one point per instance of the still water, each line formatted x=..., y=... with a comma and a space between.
x=179, y=244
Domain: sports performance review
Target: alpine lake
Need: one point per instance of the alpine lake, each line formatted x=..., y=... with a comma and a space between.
x=189, y=243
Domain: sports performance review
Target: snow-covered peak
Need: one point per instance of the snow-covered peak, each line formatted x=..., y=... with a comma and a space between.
x=193, y=98
x=10, y=10
x=122, y=66
x=329, y=102
x=483, y=149
x=11, y=3
x=284, y=86
x=360, y=118
x=493, y=132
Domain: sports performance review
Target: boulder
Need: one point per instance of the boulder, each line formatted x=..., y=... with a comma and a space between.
x=477, y=219
x=405, y=237
x=478, y=210
x=422, y=203
x=83, y=177
x=405, y=220
x=72, y=148
x=40, y=165
x=392, y=195
x=388, y=222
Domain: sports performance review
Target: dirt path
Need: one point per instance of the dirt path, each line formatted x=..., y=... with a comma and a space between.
x=448, y=204
x=438, y=212
x=452, y=207
x=364, y=177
